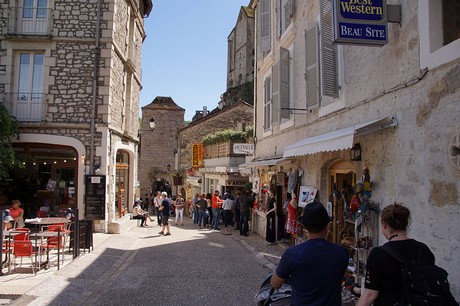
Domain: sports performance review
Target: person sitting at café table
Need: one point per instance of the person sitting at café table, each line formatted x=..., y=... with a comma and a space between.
x=17, y=213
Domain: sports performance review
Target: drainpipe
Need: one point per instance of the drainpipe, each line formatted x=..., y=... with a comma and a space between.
x=95, y=76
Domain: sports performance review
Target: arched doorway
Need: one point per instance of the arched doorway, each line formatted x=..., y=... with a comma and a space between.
x=341, y=182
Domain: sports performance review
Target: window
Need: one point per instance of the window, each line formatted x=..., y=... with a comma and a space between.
x=321, y=57
x=29, y=98
x=284, y=87
x=285, y=12
x=33, y=17
x=439, y=29
x=263, y=22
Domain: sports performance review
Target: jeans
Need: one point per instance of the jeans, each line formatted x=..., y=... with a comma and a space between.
x=180, y=213
x=158, y=213
x=196, y=214
x=227, y=218
x=203, y=217
x=215, y=218
x=244, y=221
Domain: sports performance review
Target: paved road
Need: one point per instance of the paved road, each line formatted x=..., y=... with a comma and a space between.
x=141, y=267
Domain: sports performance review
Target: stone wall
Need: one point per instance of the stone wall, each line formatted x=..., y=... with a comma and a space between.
x=230, y=118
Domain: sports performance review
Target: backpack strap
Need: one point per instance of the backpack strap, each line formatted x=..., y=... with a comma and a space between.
x=393, y=253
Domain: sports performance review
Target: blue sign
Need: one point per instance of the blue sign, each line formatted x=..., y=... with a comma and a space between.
x=362, y=9
x=362, y=31
x=360, y=22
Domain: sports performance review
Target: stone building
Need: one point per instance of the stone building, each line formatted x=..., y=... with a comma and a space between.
x=158, y=149
x=70, y=72
x=212, y=167
x=326, y=111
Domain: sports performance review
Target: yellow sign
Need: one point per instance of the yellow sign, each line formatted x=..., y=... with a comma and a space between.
x=197, y=155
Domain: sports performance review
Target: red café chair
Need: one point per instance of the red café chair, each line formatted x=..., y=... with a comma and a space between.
x=56, y=243
x=22, y=249
x=24, y=234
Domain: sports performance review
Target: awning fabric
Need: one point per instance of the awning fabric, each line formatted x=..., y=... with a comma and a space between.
x=262, y=162
x=337, y=140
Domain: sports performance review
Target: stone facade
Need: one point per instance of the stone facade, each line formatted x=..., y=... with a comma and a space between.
x=159, y=146
x=67, y=41
x=410, y=79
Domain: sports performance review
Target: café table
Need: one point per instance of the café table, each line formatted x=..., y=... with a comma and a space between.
x=39, y=236
x=46, y=221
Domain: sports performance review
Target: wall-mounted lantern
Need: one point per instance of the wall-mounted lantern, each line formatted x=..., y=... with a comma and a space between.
x=355, y=152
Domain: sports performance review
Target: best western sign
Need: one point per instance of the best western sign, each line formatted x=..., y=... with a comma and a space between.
x=360, y=22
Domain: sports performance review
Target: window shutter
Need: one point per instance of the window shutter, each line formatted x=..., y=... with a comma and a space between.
x=329, y=59
x=284, y=83
x=275, y=93
x=267, y=104
x=265, y=41
x=278, y=18
x=288, y=13
x=311, y=74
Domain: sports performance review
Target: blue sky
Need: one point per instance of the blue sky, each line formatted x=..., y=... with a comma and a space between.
x=185, y=53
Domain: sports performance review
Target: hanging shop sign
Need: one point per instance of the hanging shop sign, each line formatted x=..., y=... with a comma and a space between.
x=197, y=155
x=360, y=22
x=243, y=148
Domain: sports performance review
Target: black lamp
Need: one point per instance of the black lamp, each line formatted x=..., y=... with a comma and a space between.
x=355, y=152
x=152, y=123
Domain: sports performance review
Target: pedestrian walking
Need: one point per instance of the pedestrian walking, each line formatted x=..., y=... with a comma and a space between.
x=227, y=207
x=179, y=208
x=157, y=203
x=216, y=204
x=202, y=206
x=246, y=203
x=237, y=207
x=195, y=210
x=165, y=213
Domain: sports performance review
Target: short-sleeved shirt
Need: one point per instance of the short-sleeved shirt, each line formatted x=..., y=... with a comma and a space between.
x=166, y=210
x=203, y=204
x=316, y=268
x=215, y=202
x=383, y=272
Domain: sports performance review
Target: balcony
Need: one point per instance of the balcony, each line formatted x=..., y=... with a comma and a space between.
x=29, y=21
x=24, y=106
x=221, y=155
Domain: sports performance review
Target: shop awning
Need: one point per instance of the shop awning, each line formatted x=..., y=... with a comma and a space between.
x=337, y=140
x=263, y=162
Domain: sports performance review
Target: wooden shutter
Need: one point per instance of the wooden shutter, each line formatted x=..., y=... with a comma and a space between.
x=265, y=42
x=311, y=73
x=267, y=104
x=284, y=83
x=275, y=94
x=289, y=8
x=329, y=53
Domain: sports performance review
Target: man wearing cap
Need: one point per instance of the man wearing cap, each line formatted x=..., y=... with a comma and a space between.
x=315, y=267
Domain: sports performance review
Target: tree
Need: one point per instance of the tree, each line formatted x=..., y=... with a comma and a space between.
x=8, y=128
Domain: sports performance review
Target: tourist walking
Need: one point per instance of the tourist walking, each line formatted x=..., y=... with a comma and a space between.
x=227, y=207
x=165, y=213
x=216, y=204
x=157, y=203
x=179, y=208
x=202, y=206
x=246, y=203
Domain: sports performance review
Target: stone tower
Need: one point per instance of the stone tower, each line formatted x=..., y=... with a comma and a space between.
x=158, y=147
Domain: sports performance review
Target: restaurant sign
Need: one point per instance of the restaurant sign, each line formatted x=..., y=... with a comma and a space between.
x=197, y=155
x=360, y=22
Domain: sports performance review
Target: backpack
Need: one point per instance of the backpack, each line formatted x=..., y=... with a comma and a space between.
x=423, y=283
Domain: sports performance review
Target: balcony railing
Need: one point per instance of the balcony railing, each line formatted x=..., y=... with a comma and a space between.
x=24, y=106
x=29, y=21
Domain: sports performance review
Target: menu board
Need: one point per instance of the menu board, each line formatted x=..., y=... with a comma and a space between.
x=95, y=197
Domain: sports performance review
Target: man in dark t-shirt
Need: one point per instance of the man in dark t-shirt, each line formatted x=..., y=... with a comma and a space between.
x=165, y=213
